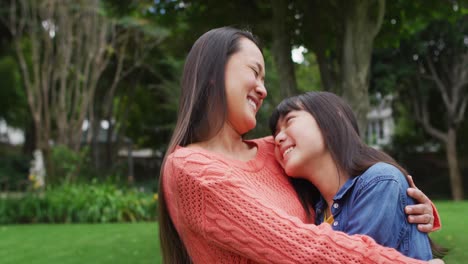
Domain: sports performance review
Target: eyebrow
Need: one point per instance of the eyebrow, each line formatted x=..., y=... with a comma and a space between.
x=287, y=115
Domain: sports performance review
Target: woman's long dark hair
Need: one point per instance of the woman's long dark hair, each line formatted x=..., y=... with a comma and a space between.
x=202, y=112
x=340, y=132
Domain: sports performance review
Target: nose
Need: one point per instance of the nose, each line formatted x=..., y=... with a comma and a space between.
x=261, y=91
x=279, y=138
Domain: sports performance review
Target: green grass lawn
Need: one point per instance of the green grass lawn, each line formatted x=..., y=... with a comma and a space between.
x=77, y=243
x=454, y=232
x=138, y=243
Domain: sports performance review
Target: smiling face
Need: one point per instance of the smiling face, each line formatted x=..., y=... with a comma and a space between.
x=299, y=143
x=245, y=89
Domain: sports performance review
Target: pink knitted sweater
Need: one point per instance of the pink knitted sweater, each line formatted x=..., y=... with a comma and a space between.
x=229, y=211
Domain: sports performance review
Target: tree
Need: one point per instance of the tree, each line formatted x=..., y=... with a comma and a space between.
x=137, y=37
x=421, y=56
x=362, y=24
x=341, y=34
x=13, y=107
x=282, y=45
x=444, y=66
x=62, y=48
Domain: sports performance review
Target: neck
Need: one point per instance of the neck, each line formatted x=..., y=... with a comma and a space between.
x=326, y=176
x=229, y=143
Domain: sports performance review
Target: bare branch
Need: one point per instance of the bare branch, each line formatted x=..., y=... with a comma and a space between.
x=445, y=72
x=460, y=75
x=69, y=45
x=461, y=111
x=117, y=77
x=422, y=115
x=429, y=128
x=438, y=82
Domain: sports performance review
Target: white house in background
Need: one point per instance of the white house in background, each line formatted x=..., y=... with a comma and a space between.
x=10, y=135
x=380, y=123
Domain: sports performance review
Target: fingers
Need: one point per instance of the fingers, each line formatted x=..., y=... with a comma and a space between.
x=421, y=213
x=419, y=196
x=409, y=178
x=424, y=219
x=425, y=228
x=425, y=222
x=436, y=261
x=418, y=209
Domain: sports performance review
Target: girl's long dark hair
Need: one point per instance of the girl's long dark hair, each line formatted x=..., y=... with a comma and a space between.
x=202, y=112
x=340, y=132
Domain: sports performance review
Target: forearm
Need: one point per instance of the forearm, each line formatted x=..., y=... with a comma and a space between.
x=243, y=224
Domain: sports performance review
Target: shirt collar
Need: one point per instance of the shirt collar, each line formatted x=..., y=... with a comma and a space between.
x=341, y=193
x=345, y=188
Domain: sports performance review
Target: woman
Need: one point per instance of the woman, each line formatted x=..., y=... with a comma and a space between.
x=360, y=190
x=225, y=199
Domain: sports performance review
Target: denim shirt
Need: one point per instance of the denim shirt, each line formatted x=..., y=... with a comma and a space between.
x=373, y=204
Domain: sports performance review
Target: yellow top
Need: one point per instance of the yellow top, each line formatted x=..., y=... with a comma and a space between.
x=328, y=219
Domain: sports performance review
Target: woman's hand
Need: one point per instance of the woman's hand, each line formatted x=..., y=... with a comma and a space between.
x=421, y=213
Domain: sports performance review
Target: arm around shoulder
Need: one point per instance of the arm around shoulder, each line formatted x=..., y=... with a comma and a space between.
x=424, y=213
x=221, y=208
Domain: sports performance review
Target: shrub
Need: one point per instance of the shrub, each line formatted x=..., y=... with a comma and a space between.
x=14, y=171
x=79, y=203
x=69, y=163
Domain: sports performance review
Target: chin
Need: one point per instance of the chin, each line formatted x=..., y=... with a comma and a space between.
x=249, y=125
x=291, y=171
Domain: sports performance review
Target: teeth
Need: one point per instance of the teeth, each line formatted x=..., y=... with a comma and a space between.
x=252, y=103
x=287, y=151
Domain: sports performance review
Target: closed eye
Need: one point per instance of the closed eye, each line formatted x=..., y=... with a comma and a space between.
x=289, y=118
x=255, y=72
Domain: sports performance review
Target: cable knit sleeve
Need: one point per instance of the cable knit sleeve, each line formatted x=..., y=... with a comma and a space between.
x=437, y=222
x=226, y=212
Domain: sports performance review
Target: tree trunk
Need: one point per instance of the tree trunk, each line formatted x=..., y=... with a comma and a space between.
x=327, y=76
x=456, y=183
x=109, y=146
x=282, y=49
x=51, y=176
x=42, y=143
x=29, y=138
x=362, y=23
x=95, y=128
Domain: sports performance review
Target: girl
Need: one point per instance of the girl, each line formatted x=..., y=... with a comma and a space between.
x=360, y=190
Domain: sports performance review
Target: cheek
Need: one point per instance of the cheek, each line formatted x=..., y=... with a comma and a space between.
x=250, y=81
x=320, y=141
x=278, y=157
